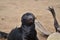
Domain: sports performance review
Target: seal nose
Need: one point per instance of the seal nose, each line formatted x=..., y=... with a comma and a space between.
x=30, y=20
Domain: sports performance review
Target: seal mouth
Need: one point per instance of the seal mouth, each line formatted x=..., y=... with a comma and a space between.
x=30, y=21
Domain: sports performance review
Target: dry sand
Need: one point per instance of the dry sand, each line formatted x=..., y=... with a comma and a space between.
x=12, y=10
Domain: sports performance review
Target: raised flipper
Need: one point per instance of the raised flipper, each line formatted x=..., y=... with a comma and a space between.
x=56, y=25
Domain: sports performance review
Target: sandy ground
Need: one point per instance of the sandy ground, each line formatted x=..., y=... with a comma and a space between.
x=12, y=10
